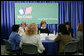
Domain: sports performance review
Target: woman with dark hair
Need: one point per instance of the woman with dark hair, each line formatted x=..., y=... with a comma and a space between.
x=69, y=29
x=77, y=44
x=62, y=29
x=14, y=39
x=62, y=38
x=43, y=28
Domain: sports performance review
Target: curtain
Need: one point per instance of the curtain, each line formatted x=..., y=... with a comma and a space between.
x=69, y=11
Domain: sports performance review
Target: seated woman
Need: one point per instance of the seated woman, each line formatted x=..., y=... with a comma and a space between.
x=79, y=37
x=62, y=38
x=22, y=29
x=32, y=37
x=69, y=29
x=14, y=39
x=43, y=28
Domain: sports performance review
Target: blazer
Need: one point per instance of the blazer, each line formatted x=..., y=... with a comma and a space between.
x=70, y=31
x=62, y=40
x=14, y=40
x=43, y=30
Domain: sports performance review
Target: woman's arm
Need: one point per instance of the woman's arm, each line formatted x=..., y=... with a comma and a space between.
x=58, y=37
x=40, y=45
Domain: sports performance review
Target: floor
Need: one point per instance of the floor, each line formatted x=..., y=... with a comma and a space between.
x=3, y=49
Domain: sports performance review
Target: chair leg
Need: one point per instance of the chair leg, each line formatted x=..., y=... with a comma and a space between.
x=64, y=53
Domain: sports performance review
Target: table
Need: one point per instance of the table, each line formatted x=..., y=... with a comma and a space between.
x=51, y=47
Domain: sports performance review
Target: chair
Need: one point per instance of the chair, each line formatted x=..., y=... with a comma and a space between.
x=29, y=49
x=71, y=47
x=8, y=48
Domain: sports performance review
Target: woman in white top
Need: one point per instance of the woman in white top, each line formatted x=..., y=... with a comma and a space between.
x=32, y=37
x=22, y=29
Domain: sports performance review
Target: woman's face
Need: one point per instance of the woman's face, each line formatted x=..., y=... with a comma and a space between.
x=44, y=25
x=23, y=25
x=67, y=26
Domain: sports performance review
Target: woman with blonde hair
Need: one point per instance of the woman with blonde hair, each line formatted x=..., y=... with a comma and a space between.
x=79, y=40
x=79, y=37
x=32, y=29
x=22, y=28
x=32, y=37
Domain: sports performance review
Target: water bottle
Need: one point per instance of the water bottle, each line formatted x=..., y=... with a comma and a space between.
x=54, y=32
x=39, y=32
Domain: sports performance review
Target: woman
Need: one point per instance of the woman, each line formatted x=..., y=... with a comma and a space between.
x=69, y=29
x=32, y=37
x=62, y=38
x=22, y=29
x=43, y=28
x=79, y=41
x=79, y=37
x=14, y=39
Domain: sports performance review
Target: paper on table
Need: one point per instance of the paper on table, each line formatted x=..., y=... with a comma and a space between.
x=43, y=35
x=52, y=36
x=56, y=35
x=42, y=38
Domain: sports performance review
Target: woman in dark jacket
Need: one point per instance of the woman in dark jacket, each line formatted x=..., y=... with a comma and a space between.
x=69, y=29
x=43, y=28
x=62, y=38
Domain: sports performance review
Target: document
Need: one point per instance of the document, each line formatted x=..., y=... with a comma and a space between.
x=43, y=35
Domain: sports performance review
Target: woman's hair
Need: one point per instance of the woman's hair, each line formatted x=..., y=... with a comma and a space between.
x=15, y=28
x=68, y=23
x=31, y=29
x=23, y=22
x=42, y=22
x=62, y=29
x=80, y=27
